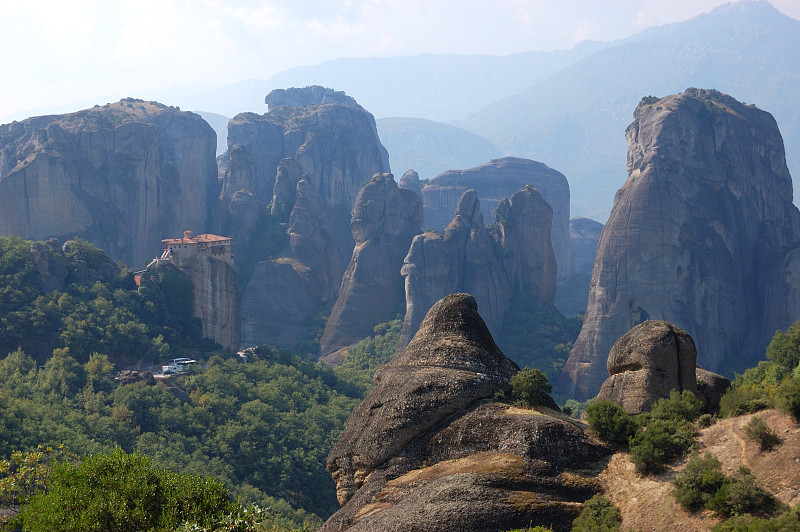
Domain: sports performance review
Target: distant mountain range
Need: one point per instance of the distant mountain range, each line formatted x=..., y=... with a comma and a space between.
x=566, y=108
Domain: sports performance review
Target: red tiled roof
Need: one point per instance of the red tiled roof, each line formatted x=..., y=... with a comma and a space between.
x=197, y=239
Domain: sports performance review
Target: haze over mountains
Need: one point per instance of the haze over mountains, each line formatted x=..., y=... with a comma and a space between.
x=566, y=108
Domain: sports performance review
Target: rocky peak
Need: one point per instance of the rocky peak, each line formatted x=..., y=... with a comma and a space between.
x=410, y=180
x=384, y=220
x=703, y=234
x=425, y=443
x=495, y=180
x=311, y=95
x=517, y=255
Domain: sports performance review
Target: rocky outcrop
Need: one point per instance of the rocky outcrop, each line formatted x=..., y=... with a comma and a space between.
x=410, y=180
x=701, y=235
x=515, y=257
x=584, y=234
x=311, y=95
x=121, y=176
x=646, y=363
x=425, y=447
x=51, y=265
x=306, y=159
x=495, y=180
x=385, y=219
x=710, y=389
x=284, y=294
x=215, y=293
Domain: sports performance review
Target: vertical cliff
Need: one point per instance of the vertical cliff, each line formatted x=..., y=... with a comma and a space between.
x=206, y=260
x=305, y=159
x=384, y=220
x=495, y=180
x=123, y=176
x=516, y=256
x=700, y=235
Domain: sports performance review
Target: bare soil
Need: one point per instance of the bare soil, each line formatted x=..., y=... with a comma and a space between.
x=646, y=503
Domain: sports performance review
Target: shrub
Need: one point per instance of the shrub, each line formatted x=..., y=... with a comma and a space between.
x=742, y=495
x=758, y=431
x=610, y=422
x=698, y=483
x=528, y=385
x=785, y=522
x=118, y=491
x=661, y=441
x=679, y=405
x=788, y=397
x=598, y=515
x=743, y=400
x=706, y=420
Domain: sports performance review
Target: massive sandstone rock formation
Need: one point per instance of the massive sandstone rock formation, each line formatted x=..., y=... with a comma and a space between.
x=215, y=289
x=650, y=361
x=516, y=256
x=385, y=218
x=425, y=447
x=306, y=159
x=584, y=234
x=702, y=234
x=123, y=176
x=495, y=180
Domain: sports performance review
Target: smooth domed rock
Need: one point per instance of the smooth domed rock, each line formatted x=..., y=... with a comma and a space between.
x=451, y=363
x=646, y=363
x=702, y=234
x=710, y=389
x=425, y=450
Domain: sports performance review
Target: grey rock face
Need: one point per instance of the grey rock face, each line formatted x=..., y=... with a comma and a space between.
x=410, y=180
x=486, y=467
x=385, y=219
x=516, y=256
x=646, y=363
x=495, y=180
x=584, y=234
x=710, y=389
x=701, y=234
x=311, y=95
x=307, y=158
x=121, y=176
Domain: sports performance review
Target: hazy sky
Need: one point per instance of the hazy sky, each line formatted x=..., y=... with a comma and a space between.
x=53, y=52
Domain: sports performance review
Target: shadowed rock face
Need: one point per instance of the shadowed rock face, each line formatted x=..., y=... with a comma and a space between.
x=584, y=233
x=646, y=363
x=487, y=466
x=385, y=219
x=306, y=159
x=122, y=176
x=495, y=180
x=516, y=256
x=701, y=235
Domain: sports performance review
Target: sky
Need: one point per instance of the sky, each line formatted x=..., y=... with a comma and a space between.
x=54, y=53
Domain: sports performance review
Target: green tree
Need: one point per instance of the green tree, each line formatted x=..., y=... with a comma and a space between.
x=121, y=492
x=784, y=349
x=598, y=515
x=528, y=387
x=698, y=483
x=610, y=422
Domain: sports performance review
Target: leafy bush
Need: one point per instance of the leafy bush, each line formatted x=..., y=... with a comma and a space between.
x=758, y=431
x=742, y=495
x=788, y=397
x=122, y=492
x=784, y=348
x=659, y=442
x=528, y=386
x=698, y=483
x=598, y=515
x=786, y=522
x=703, y=485
x=610, y=422
x=706, y=420
x=739, y=400
x=679, y=405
